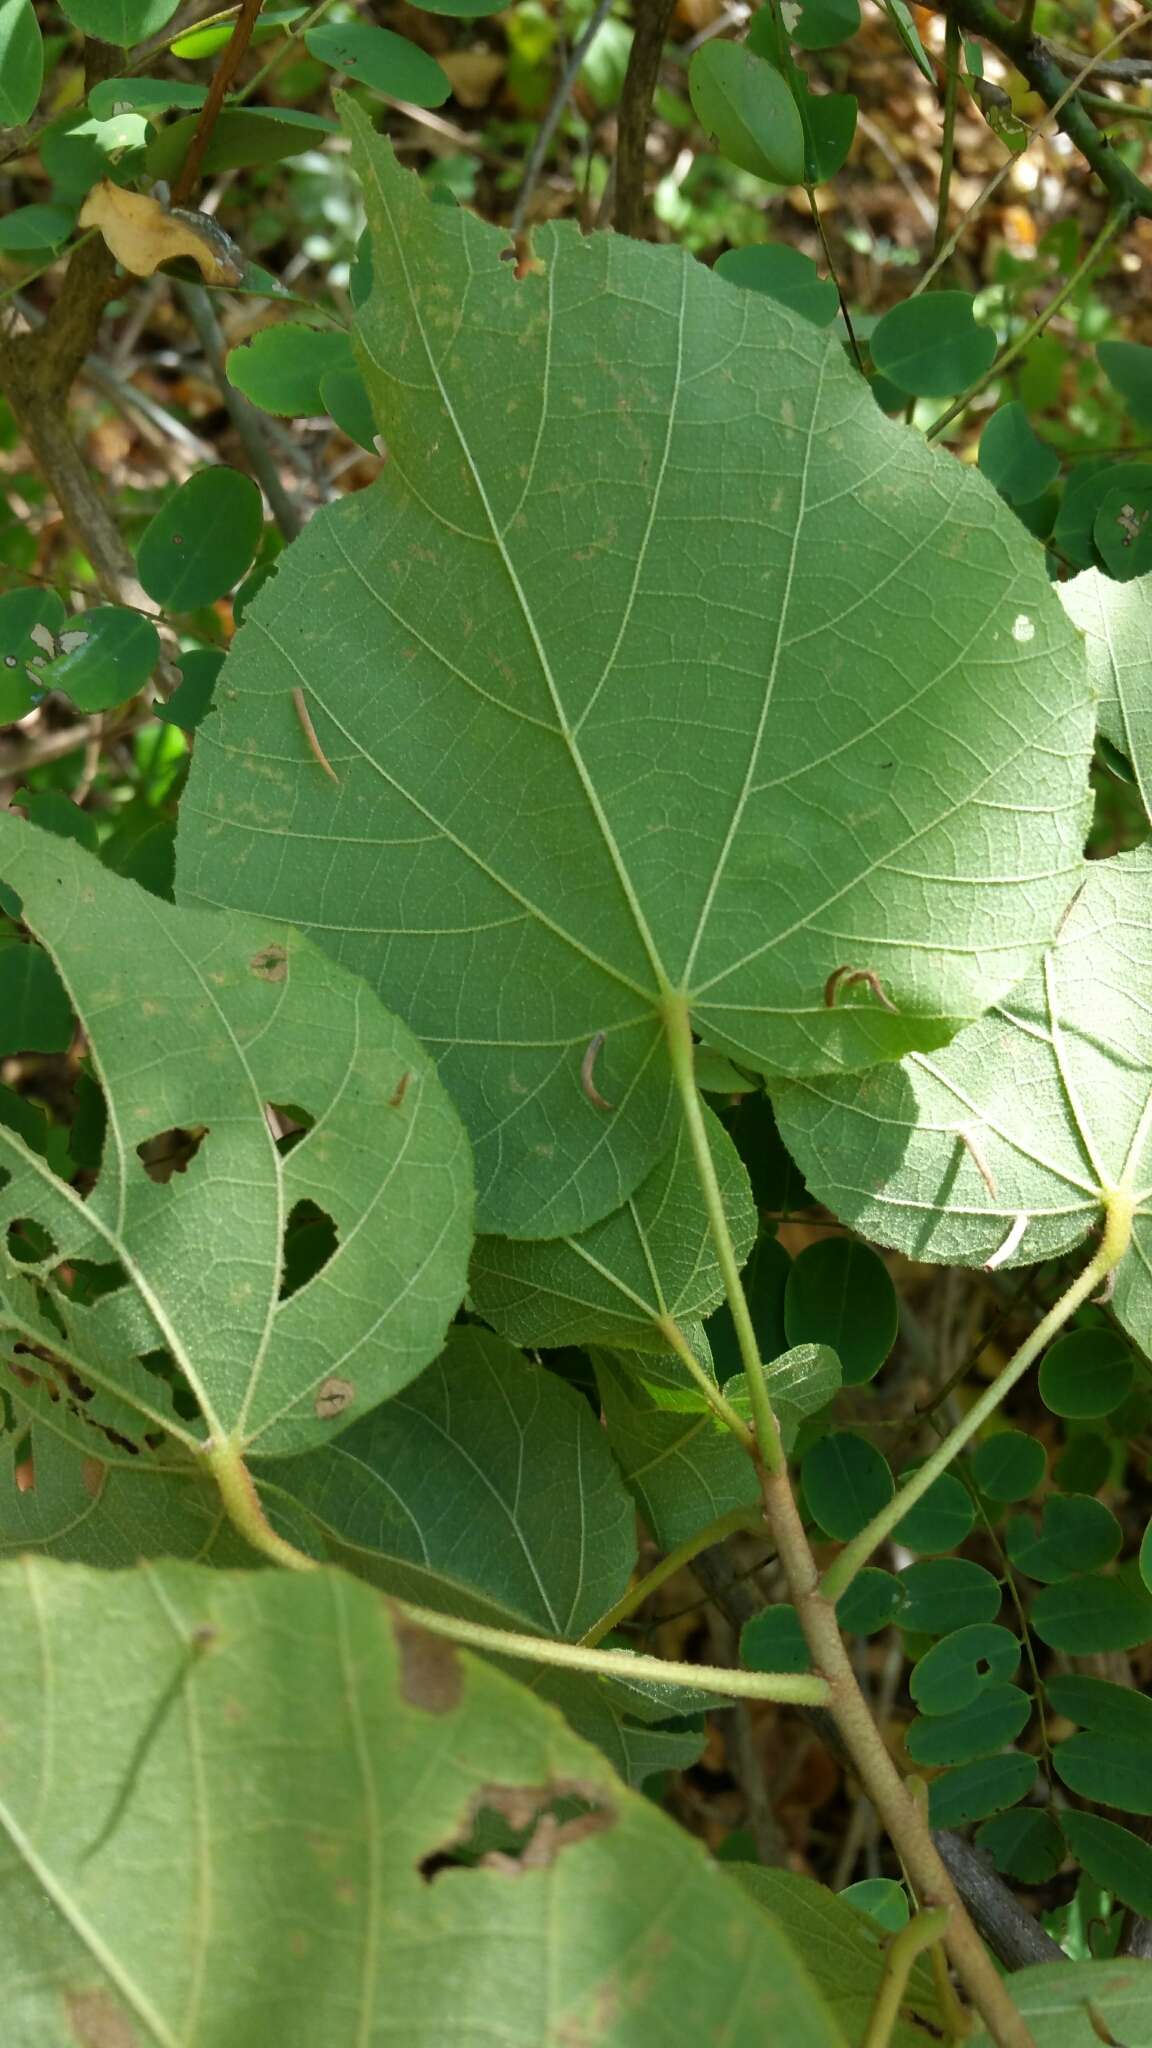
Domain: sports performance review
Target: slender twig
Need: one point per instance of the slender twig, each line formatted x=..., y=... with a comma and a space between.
x=1113, y=226
x=898, y=1810
x=230, y=56
x=679, y=1034
x=685, y=1553
x=653, y=18
x=948, y=139
x=565, y=85
x=294, y=31
x=249, y=424
x=1035, y=62
x=1010, y=1932
x=845, y=315
x=1126, y=70
x=1113, y=1244
x=993, y=184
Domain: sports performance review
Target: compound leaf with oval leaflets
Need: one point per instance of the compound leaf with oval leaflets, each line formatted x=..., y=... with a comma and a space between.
x=612, y=717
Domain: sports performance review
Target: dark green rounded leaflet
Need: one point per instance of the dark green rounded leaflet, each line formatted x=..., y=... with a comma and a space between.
x=656, y=662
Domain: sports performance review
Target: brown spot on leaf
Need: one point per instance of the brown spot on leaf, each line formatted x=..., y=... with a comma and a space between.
x=400, y=1090
x=270, y=963
x=92, y=1476
x=430, y=1671
x=333, y=1395
x=96, y=2021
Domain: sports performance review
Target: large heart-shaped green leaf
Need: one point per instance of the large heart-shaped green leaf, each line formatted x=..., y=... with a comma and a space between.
x=486, y=1489
x=1005, y=1145
x=198, y=1024
x=226, y=1806
x=658, y=667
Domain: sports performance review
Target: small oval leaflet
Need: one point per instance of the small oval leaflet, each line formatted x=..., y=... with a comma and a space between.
x=975, y=1790
x=946, y=1593
x=1025, y=1844
x=784, y=274
x=994, y=1718
x=846, y=1481
x=1013, y=457
x=931, y=346
x=281, y=368
x=1087, y=1373
x=746, y=105
x=1008, y=1465
x=109, y=654
x=1086, y=1616
x=21, y=62
x=840, y=1293
x=378, y=58
x=202, y=540
x=940, y=1519
x=956, y=1670
x=1113, y=1855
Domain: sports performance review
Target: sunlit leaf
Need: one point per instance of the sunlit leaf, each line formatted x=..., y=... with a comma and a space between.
x=564, y=789
x=1008, y=1142
x=194, y=1193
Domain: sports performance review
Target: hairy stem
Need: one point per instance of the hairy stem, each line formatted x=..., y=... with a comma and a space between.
x=246, y=1511
x=1113, y=1245
x=679, y=1029
x=731, y=1524
x=900, y=1813
x=921, y=1932
x=792, y=1687
x=721, y=1408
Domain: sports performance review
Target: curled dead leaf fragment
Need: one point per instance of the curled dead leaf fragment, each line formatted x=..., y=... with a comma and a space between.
x=142, y=234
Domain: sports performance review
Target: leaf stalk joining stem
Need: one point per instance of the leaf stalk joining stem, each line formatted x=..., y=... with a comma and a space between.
x=246, y=1512
x=769, y=1449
